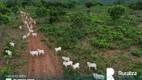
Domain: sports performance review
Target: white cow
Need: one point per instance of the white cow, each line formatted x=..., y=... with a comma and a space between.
x=26, y=17
x=31, y=31
x=20, y=27
x=65, y=58
x=31, y=26
x=69, y=63
x=25, y=22
x=28, y=26
x=40, y=51
x=98, y=76
x=30, y=18
x=12, y=44
x=34, y=34
x=92, y=65
x=34, y=53
x=28, y=34
x=58, y=49
x=9, y=53
x=24, y=36
x=21, y=12
x=75, y=66
x=34, y=22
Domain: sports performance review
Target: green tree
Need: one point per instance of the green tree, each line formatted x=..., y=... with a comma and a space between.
x=6, y=70
x=13, y=3
x=4, y=10
x=15, y=9
x=4, y=19
x=89, y=4
x=136, y=6
x=116, y=11
x=41, y=11
x=55, y=13
x=119, y=2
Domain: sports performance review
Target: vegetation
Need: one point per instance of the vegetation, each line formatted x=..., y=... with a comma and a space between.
x=137, y=53
x=137, y=5
x=89, y=4
x=41, y=12
x=116, y=11
x=109, y=33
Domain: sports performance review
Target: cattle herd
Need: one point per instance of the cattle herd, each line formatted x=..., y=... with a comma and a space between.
x=66, y=60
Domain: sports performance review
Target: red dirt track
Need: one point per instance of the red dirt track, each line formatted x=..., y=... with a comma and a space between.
x=43, y=67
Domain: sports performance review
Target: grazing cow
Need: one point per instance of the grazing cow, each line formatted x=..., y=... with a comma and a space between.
x=34, y=34
x=25, y=22
x=24, y=37
x=92, y=65
x=28, y=34
x=40, y=51
x=26, y=17
x=21, y=12
x=31, y=26
x=20, y=27
x=58, y=49
x=34, y=22
x=31, y=31
x=30, y=18
x=75, y=66
x=34, y=53
x=12, y=44
x=98, y=76
x=9, y=53
x=65, y=58
x=69, y=63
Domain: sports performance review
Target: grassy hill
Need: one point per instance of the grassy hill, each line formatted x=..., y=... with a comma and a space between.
x=85, y=35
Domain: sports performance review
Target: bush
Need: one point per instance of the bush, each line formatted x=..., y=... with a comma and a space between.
x=136, y=6
x=55, y=13
x=137, y=53
x=6, y=70
x=41, y=12
x=43, y=29
x=99, y=43
x=15, y=9
x=139, y=41
x=4, y=19
x=4, y=10
x=89, y=4
x=116, y=11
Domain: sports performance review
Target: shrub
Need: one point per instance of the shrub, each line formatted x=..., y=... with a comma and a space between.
x=70, y=5
x=126, y=43
x=15, y=9
x=100, y=43
x=89, y=4
x=55, y=13
x=43, y=29
x=137, y=53
x=136, y=6
x=6, y=70
x=4, y=10
x=41, y=12
x=4, y=19
x=116, y=11
x=139, y=41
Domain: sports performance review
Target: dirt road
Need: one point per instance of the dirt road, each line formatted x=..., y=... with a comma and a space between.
x=44, y=67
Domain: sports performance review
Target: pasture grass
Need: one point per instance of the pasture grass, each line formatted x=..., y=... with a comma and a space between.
x=100, y=33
